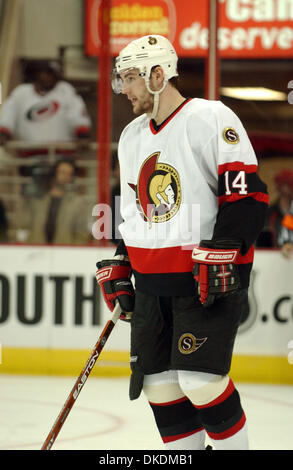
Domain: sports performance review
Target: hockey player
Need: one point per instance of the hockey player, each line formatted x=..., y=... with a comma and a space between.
x=192, y=207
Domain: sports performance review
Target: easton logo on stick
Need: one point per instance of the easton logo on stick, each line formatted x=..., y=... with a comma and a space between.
x=90, y=365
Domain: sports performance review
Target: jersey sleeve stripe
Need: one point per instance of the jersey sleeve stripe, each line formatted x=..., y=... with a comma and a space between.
x=236, y=166
x=260, y=197
x=6, y=131
x=82, y=130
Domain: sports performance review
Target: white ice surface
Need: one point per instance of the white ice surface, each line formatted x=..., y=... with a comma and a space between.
x=103, y=417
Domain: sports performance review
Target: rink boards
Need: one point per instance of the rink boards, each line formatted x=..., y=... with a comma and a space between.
x=52, y=313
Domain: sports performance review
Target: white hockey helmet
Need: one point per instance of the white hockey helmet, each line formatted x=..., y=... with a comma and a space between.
x=144, y=54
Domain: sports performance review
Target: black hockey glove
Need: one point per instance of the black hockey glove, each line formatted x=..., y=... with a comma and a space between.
x=113, y=276
x=214, y=270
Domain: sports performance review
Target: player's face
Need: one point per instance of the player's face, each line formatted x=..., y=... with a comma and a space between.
x=133, y=85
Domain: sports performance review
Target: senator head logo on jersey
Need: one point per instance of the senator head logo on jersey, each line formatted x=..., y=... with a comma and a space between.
x=158, y=191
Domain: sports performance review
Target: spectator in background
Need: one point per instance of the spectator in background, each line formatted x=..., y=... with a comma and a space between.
x=3, y=224
x=278, y=231
x=48, y=109
x=286, y=234
x=60, y=216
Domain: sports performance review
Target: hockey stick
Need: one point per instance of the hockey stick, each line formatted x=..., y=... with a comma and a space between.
x=81, y=379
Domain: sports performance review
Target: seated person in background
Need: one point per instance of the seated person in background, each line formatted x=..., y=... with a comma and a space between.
x=3, y=224
x=60, y=216
x=48, y=109
x=286, y=234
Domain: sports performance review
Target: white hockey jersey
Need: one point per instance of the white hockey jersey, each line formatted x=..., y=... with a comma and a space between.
x=174, y=180
x=58, y=115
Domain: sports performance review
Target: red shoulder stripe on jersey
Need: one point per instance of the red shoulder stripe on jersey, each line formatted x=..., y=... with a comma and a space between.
x=154, y=131
x=237, y=166
x=260, y=197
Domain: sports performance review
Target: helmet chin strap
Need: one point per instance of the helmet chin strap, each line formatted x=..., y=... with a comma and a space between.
x=154, y=112
x=156, y=94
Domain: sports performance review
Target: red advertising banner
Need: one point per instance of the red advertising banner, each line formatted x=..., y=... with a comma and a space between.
x=247, y=28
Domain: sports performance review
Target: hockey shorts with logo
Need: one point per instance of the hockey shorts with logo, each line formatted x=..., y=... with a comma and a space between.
x=178, y=333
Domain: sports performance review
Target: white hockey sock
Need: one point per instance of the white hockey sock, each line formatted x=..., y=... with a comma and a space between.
x=239, y=441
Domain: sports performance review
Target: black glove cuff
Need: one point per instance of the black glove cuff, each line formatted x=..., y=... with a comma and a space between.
x=221, y=244
x=111, y=262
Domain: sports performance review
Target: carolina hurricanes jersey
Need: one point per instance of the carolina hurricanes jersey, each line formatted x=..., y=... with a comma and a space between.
x=59, y=114
x=192, y=178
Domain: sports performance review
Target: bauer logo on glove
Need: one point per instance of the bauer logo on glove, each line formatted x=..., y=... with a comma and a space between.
x=215, y=271
x=113, y=276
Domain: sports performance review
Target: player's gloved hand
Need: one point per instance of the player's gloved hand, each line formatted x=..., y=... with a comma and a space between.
x=214, y=269
x=113, y=276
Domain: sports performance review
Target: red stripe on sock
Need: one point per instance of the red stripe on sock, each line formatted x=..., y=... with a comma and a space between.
x=227, y=392
x=180, y=436
x=167, y=403
x=229, y=432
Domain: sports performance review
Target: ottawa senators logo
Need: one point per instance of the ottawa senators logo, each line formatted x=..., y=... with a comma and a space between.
x=188, y=343
x=152, y=41
x=230, y=135
x=158, y=191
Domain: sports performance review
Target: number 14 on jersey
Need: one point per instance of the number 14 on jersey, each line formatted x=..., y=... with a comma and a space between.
x=238, y=183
